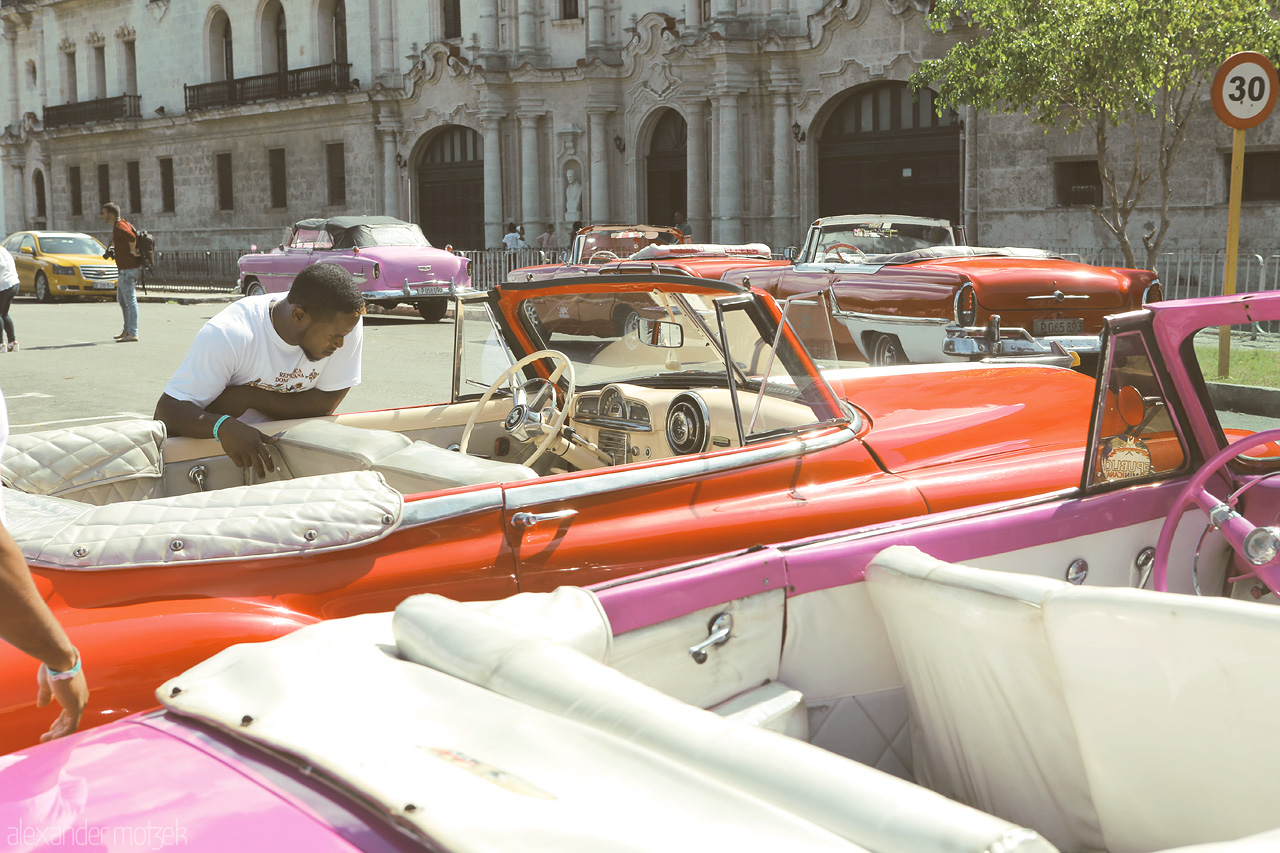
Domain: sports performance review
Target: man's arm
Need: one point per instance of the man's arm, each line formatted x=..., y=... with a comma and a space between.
x=244, y=445
x=277, y=405
x=27, y=623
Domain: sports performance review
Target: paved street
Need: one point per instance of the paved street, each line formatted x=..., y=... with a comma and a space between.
x=70, y=371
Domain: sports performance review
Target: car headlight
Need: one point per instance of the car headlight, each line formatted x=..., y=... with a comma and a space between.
x=966, y=306
x=61, y=270
x=1152, y=293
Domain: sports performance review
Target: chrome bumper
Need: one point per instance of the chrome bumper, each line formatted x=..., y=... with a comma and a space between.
x=410, y=290
x=995, y=344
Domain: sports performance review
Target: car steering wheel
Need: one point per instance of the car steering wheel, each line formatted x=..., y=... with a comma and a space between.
x=1257, y=546
x=603, y=253
x=837, y=249
x=533, y=408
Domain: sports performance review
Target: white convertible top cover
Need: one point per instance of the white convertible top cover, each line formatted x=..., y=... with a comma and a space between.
x=289, y=517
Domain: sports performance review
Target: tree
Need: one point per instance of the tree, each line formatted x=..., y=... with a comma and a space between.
x=1139, y=67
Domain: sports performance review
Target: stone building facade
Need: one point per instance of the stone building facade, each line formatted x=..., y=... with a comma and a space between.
x=217, y=123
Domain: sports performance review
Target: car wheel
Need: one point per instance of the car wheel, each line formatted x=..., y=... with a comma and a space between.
x=533, y=321
x=254, y=289
x=43, y=293
x=888, y=352
x=432, y=310
x=626, y=320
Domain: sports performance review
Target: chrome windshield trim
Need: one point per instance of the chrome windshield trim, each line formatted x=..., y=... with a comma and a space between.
x=431, y=510
x=533, y=493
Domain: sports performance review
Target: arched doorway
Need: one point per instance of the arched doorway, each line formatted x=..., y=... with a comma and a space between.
x=449, y=181
x=666, y=169
x=42, y=209
x=221, y=61
x=885, y=150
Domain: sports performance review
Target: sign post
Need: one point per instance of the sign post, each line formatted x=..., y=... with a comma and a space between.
x=1244, y=93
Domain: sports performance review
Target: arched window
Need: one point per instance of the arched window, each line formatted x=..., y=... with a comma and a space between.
x=274, y=40
x=331, y=31
x=221, y=64
x=38, y=180
x=340, y=31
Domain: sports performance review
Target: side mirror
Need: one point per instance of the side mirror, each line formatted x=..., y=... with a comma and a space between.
x=27, y=250
x=662, y=334
x=791, y=253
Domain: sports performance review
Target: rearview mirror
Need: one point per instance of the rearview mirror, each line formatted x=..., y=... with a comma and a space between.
x=661, y=333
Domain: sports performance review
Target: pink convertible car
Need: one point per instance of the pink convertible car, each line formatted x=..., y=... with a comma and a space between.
x=1093, y=669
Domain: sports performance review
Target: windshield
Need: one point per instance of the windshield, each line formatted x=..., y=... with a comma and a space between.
x=1240, y=372
x=683, y=345
x=599, y=247
x=874, y=238
x=71, y=244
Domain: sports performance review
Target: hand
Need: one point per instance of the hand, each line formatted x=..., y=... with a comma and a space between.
x=72, y=694
x=246, y=446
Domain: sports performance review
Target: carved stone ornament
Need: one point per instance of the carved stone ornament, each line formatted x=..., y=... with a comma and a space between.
x=126, y=33
x=95, y=39
x=158, y=8
x=899, y=7
x=67, y=45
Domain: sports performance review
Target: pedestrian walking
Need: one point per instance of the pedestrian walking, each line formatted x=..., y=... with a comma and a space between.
x=8, y=290
x=124, y=240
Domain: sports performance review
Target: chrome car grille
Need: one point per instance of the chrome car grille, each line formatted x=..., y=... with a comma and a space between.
x=101, y=272
x=615, y=444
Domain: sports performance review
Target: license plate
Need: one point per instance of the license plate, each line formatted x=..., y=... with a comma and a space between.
x=103, y=285
x=1062, y=326
x=421, y=291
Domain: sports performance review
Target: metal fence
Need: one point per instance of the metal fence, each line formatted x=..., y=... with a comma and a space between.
x=490, y=266
x=195, y=271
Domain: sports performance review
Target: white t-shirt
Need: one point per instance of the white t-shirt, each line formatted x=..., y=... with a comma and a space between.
x=240, y=346
x=8, y=270
x=512, y=241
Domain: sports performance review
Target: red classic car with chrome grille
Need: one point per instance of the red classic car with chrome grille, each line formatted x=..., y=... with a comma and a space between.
x=600, y=244
x=957, y=303
x=703, y=427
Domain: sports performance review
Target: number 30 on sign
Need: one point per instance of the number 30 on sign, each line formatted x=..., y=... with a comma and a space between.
x=1244, y=90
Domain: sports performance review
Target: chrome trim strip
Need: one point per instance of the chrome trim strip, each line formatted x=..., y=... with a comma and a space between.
x=533, y=493
x=1146, y=291
x=431, y=510
x=1057, y=296
x=893, y=319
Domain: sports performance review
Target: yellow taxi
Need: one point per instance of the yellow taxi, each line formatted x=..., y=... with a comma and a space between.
x=58, y=264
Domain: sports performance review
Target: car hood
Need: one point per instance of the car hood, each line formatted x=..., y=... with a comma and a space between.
x=68, y=260
x=929, y=415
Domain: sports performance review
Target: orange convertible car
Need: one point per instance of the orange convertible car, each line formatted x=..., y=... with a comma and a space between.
x=703, y=427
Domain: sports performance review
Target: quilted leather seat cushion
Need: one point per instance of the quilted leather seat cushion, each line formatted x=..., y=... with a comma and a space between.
x=281, y=518
x=324, y=447
x=96, y=463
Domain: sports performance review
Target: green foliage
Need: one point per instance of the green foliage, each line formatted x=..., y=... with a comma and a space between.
x=1068, y=63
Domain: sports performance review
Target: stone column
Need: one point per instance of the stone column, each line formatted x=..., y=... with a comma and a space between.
x=390, y=172
x=697, y=171
x=10, y=46
x=15, y=199
x=530, y=207
x=528, y=10
x=493, y=225
x=488, y=27
x=595, y=24
x=692, y=18
x=598, y=168
x=784, y=191
x=50, y=221
x=386, y=39
x=728, y=212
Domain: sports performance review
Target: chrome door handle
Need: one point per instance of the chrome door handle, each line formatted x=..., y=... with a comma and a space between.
x=525, y=520
x=720, y=628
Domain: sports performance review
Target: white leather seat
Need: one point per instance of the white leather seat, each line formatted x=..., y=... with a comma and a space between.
x=1104, y=718
x=423, y=467
x=93, y=463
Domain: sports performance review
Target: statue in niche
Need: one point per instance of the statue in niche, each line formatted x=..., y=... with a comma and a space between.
x=572, y=195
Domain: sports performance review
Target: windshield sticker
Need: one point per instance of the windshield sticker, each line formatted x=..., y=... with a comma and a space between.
x=1124, y=458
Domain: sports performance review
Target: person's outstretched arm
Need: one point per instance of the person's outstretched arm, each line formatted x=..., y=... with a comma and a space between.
x=27, y=623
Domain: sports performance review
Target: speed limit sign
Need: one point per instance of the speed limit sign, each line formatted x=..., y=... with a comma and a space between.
x=1244, y=90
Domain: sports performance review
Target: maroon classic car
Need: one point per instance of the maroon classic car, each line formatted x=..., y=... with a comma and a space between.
x=392, y=260
x=956, y=303
x=600, y=244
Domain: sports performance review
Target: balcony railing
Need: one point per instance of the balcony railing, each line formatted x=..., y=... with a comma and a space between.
x=84, y=112
x=295, y=83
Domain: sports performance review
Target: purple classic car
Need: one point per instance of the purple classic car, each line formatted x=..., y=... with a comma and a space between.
x=850, y=692
x=392, y=261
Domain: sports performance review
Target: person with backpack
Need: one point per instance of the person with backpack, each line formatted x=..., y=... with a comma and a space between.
x=128, y=266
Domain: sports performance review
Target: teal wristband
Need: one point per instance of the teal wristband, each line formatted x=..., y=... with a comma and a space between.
x=66, y=674
x=217, y=424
